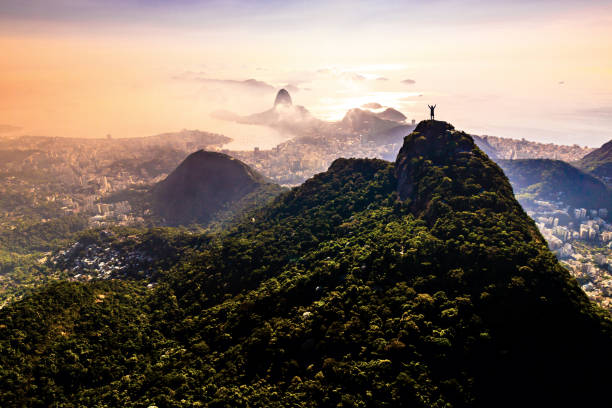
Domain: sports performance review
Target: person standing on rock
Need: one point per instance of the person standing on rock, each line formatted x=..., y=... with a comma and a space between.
x=431, y=111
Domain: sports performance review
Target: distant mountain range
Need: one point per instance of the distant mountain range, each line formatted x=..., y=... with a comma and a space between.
x=417, y=283
x=378, y=126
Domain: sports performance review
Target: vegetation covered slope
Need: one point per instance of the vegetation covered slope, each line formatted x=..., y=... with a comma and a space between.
x=555, y=180
x=204, y=184
x=420, y=283
x=599, y=161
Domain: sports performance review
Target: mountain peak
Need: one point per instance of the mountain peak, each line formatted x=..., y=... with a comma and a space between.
x=436, y=140
x=283, y=98
x=599, y=162
x=430, y=127
x=439, y=168
x=392, y=114
x=202, y=185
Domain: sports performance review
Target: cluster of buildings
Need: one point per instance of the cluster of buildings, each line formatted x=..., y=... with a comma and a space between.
x=74, y=176
x=583, y=213
x=585, y=226
x=524, y=149
x=292, y=162
x=583, y=244
x=119, y=213
x=593, y=274
x=94, y=261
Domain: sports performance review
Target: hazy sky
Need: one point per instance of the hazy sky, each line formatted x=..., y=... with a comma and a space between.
x=537, y=69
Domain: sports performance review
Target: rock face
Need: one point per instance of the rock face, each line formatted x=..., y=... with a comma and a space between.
x=201, y=185
x=283, y=115
x=436, y=140
x=283, y=98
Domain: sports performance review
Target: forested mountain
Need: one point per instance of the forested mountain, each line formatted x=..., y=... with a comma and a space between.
x=599, y=162
x=417, y=283
x=204, y=184
x=555, y=180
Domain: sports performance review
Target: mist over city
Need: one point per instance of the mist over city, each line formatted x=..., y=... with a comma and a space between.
x=242, y=203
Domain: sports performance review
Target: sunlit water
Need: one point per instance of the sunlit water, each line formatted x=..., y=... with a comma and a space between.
x=247, y=137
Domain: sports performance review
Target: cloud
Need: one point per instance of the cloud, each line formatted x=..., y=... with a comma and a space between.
x=250, y=84
x=604, y=112
x=353, y=76
x=408, y=81
x=411, y=97
x=299, y=77
x=8, y=128
x=189, y=75
x=291, y=88
x=372, y=105
x=225, y=115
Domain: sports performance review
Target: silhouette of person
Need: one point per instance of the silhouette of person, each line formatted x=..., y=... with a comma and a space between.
x=431, y=111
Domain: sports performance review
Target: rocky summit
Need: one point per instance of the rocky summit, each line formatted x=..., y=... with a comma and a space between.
x=283, y=98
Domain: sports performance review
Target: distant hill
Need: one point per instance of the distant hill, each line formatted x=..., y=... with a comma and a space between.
x=391, y=114
x=387, y=127
x=599, y=162
x=364, y=121
x=204, y=184
x=419, y=283
x=379, y=127
x=555, y=180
